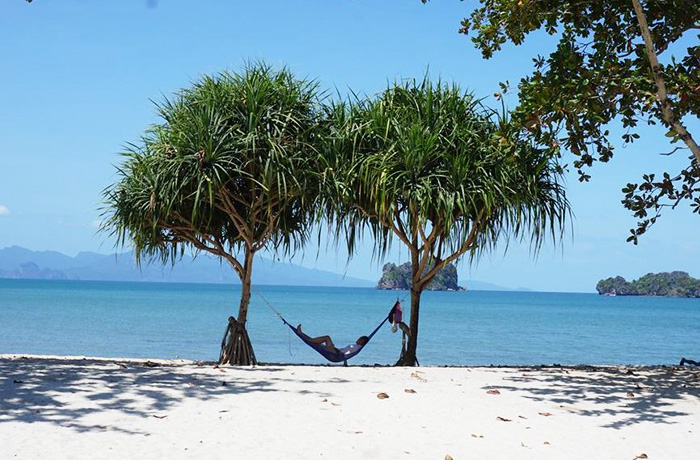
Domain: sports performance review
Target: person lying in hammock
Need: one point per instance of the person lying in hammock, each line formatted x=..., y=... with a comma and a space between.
x=327, y=342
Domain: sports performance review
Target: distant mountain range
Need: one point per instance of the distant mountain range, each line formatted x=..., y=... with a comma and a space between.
x=17, y=262
x=20, y=263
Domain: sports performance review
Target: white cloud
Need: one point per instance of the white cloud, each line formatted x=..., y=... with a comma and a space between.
x=4, y=211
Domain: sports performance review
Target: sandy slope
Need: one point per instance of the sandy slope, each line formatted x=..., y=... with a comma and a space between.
x=92, y=408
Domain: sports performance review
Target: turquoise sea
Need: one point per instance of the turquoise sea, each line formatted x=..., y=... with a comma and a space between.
x=149, y=320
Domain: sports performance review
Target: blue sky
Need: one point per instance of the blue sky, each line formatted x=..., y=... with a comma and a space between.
x=77, y=79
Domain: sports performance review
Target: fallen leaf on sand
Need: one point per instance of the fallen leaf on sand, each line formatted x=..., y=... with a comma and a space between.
x=477, y=435
x=493, y=392
x=522, y=417
x=382, y=395
x=222, y=370
x=160, y=416
x=409, y=390
x=546, y=443
x=522, y=444
x=325, y=400
x=503, y=419
x=335, y=404
x=448, y=457
x=358, y=432
x=546, y=414
x=641, y=456
x=415, y=375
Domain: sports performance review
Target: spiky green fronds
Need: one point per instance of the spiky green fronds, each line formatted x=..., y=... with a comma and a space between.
x=426, y=163
x=226, y=168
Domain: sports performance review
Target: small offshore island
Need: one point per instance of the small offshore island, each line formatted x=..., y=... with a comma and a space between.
x=674, y=284
x=399, y=278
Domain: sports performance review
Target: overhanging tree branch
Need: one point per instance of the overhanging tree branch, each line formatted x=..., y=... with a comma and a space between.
x=662, y=95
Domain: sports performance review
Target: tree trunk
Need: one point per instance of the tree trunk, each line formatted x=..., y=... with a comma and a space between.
x=236, y=348
x=245, y=286
x=408, y=356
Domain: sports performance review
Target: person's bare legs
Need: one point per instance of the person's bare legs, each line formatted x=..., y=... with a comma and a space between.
x=324, y=340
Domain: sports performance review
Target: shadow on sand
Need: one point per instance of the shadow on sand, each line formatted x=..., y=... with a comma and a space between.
x=631, y=395
x=38, y=389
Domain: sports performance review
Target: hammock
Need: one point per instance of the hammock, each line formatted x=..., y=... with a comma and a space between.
x=339, y=354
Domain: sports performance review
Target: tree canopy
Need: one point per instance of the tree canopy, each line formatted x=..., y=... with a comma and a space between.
x=424, y=163
x=634, y=61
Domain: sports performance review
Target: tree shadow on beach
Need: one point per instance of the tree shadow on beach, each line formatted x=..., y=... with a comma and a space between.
x=72, y=393
x=630, y=395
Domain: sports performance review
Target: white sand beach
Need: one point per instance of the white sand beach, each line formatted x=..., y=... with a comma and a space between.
x=99, y=408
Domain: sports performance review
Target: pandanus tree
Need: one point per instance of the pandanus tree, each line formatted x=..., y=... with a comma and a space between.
x=425, y=163
x=224, y=172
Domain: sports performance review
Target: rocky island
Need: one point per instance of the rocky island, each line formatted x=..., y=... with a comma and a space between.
x=399, y=278
x=674, y=284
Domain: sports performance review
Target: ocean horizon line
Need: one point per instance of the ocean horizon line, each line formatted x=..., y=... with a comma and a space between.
x=323, y=286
